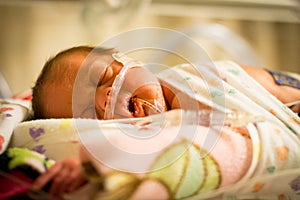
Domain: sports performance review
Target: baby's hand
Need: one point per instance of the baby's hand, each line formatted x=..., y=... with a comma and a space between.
x=65, y=176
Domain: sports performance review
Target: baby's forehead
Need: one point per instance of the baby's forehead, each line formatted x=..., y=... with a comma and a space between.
x=66, y=68
x=80, y=62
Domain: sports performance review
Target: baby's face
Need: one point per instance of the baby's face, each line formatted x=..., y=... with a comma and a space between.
x=91, y=93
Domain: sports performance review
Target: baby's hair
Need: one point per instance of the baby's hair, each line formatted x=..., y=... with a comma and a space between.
x=51, y=67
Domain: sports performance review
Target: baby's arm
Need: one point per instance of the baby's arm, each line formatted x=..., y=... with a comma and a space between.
x=284, y=93
x=65, y=176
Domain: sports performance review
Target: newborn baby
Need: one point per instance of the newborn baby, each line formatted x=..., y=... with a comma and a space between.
x=83, y=81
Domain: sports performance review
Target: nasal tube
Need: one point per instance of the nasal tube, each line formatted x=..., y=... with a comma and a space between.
x=154, y=107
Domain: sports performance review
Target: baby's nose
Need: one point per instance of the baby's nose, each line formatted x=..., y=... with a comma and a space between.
x=106, y=96
x=102, y=98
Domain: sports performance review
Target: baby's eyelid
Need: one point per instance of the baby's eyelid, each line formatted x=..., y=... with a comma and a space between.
x=100, y=78
x=102, y=75
x=108, y=73
x=95, y=75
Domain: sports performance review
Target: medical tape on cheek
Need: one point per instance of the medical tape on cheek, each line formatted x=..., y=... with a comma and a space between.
x=118, y=82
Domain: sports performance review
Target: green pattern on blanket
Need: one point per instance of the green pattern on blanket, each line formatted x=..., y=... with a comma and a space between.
x=23, y=156
x=183, y=169
x=186, y=170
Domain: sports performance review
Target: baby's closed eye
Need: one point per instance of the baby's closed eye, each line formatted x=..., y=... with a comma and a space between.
x=107, y=76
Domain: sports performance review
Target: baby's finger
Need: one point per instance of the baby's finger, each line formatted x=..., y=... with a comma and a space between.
x=73, y=177
x=43, y=179
x=60, y=182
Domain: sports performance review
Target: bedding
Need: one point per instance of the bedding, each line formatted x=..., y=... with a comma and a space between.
x=67, y=133
x=273, y=172
x=250, y=153
x=14, y=182
x=12, y=112
x=236, y=167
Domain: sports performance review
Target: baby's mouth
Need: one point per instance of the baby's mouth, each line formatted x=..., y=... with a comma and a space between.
x=131, y=105
x=136, y=107
x=140, y=107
